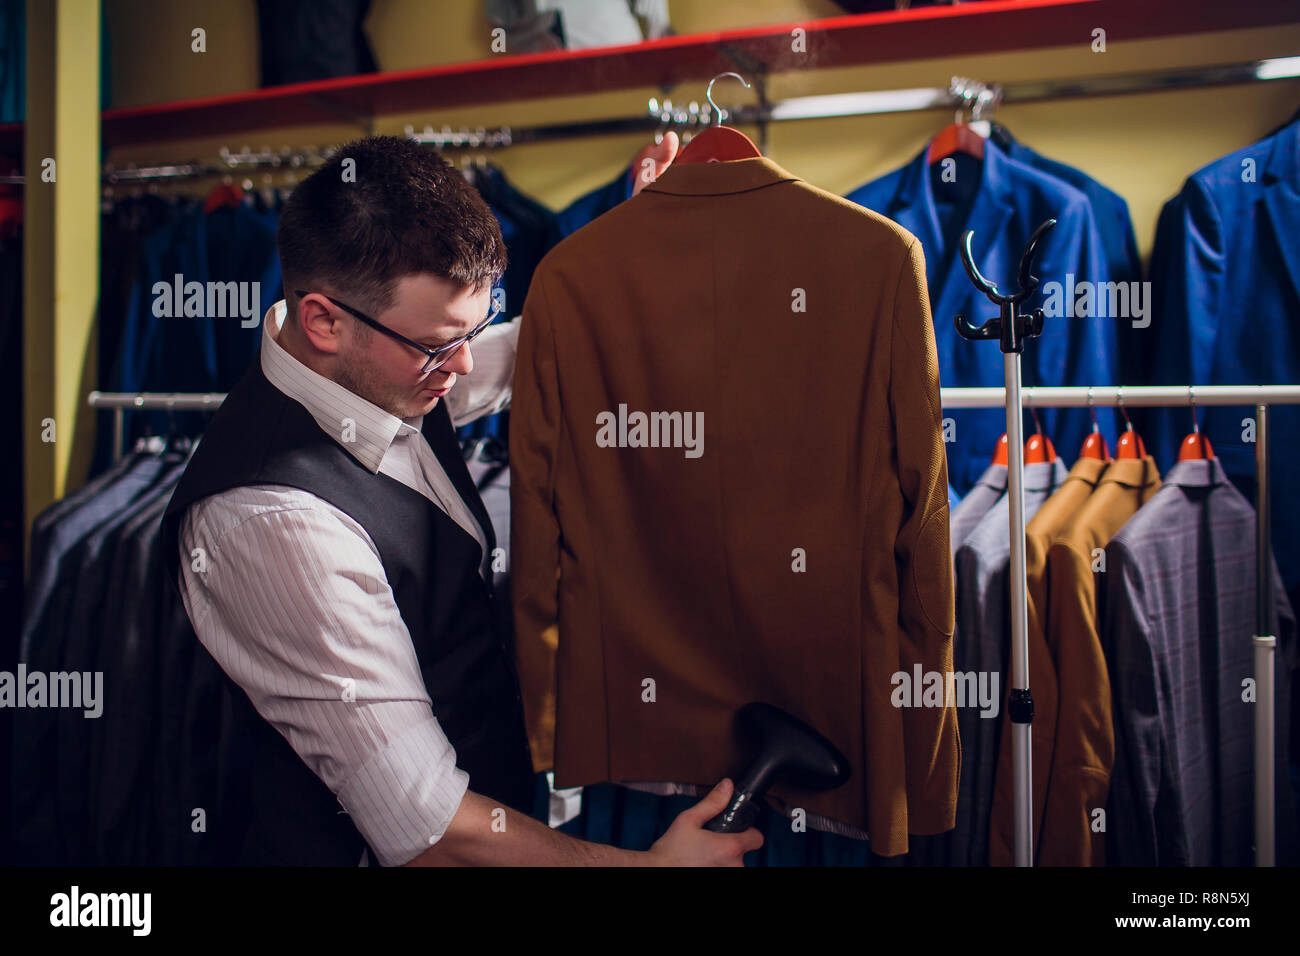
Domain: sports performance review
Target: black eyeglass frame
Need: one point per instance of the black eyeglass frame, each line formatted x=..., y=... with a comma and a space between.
x=432, y=361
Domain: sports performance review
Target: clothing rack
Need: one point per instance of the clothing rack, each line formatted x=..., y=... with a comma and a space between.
x=1260, y=396
x=119, y=402
x=686, y=118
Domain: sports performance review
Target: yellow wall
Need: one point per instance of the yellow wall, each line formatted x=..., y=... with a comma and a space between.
x=1141, y=146
x=61, y=243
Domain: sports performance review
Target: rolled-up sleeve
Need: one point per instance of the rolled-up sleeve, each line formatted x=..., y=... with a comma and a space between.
x=292, y=601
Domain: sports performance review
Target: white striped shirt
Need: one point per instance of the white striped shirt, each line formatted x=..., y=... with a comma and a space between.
x=295, y=606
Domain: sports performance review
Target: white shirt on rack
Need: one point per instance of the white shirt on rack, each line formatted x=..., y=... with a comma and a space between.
x=294, y=594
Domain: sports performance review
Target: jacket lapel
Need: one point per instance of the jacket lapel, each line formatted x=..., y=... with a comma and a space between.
x=987, y=217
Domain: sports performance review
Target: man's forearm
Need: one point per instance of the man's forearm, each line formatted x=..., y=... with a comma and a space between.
x=484, y=833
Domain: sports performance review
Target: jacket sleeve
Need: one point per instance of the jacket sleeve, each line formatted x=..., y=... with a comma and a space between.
x=534, y=528
x=921, y=551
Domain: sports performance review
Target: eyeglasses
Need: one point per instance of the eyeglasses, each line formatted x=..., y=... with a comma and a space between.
x=434, y=358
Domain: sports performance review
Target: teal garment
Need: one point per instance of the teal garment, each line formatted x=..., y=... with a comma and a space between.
x=13, y=62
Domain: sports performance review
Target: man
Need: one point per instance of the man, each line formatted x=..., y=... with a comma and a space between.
x=334, y=556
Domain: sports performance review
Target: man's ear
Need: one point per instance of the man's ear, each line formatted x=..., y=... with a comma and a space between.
x=319, y=324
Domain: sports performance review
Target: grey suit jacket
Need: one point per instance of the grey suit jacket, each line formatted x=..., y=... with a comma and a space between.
x=981, y=645
x=991, y=486
x=1177, y=613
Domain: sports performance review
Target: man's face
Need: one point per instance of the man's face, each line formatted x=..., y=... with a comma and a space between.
x=429, y=310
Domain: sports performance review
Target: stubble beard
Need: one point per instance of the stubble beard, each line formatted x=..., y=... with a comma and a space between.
x=358, y=377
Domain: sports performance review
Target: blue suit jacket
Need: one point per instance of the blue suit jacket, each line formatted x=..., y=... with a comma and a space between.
x=1109, y=209
x=1226, y=279
x=1004, y=206
x=594, y=204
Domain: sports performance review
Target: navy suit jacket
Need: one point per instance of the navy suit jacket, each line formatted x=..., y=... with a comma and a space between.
x=593, y=205
x=1003, y=205
x=1109, y=209
x=1226, y=281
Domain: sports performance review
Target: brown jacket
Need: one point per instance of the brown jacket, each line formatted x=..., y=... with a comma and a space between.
x=1040, y=531
x=1084, y=754
x=797, y=555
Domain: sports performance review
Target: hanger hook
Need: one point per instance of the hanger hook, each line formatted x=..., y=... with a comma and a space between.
x=1119, y=403
x=1038, y=425
x=708, y=93
x=1191, y=400
x=1092, y=413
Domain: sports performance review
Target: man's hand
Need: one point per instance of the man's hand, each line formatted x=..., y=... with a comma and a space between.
x=650, y=163
x=687, y=843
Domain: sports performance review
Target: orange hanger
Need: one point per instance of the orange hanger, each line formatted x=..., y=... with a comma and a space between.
x=1195, y=447
x=225, y=195
x=1094, y=446
x=1000, y=452
x=1039, y=449
x=956, y=138
x=1130, y=443
x=719, y=144
x=969, y=137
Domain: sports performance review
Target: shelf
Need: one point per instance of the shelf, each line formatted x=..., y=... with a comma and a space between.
x=973, y=28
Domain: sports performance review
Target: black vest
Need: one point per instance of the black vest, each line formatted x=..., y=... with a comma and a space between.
x=275, y=809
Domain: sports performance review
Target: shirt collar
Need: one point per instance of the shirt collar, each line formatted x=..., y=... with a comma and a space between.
x=372, y=429
x=716, y=179
x=995, y=477
x=1088, y=470
x=1202, y=473
x=1045, y=476
x=1132, y=472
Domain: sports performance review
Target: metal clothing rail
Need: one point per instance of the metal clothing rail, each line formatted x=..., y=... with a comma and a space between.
x=119, y=402
x=1265, y=644
x=961, y=93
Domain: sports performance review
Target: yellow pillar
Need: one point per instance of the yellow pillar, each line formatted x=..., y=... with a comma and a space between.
x=61, y=249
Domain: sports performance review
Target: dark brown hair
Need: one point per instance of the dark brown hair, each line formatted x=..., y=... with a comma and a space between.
x=408, y=211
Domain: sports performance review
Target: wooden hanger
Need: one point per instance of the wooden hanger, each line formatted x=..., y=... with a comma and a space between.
x=719, y=144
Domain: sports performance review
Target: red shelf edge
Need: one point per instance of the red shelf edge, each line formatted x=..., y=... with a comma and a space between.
x=889, y=36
